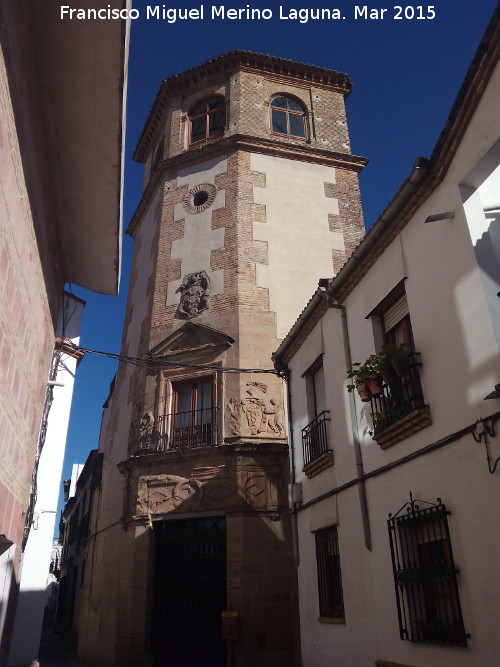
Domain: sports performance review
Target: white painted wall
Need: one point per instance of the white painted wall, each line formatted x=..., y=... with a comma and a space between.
x=195, y=248
x=296, y=231
x=34, y=577
x=76, y=470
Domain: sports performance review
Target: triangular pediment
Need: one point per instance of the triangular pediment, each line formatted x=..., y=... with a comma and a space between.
x=192, y=341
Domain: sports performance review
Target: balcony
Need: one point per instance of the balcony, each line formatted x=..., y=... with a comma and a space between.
x=188, y=430
x=399, y=410
x=317, y=454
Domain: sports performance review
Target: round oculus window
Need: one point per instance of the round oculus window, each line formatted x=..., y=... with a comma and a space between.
x=199, y=198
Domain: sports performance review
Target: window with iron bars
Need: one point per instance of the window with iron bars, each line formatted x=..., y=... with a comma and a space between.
x=425, y=576
x=331, y=598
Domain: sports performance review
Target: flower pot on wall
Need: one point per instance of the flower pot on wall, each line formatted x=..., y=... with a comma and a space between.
x=375, y=387
x=364, y=392
x=401, y=366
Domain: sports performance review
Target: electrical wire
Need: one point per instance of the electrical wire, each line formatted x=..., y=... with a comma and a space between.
x=163, y=363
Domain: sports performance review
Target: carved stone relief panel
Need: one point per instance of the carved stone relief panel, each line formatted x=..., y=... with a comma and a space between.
x=259, y=414
x=260, y=489
x=207, y=488
x=165, y=493
x=194, y=299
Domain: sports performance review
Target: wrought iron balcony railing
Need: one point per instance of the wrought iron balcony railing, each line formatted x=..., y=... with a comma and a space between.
x=397, y=399
x=315, y=437
x=188, y=430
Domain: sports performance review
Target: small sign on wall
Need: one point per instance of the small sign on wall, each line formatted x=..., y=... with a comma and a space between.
x=230, y=625
x=233, y=566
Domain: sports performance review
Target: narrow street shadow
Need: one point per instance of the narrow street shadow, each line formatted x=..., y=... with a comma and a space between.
x=53, y=653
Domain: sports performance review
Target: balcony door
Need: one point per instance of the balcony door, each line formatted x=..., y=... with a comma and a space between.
x=192, y=423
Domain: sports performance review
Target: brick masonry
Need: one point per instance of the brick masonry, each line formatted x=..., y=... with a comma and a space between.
x=31, y=294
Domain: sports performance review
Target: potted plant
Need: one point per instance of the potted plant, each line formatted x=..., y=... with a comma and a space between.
x=374, y=380
x=380, y=421
x=358, y=377
x=399, y=357
x=365, y=379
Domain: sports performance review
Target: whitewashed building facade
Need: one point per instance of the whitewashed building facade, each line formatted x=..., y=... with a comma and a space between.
x=395, y=499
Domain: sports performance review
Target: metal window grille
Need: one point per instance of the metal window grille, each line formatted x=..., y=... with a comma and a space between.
x=425, y=578
x=398, y=398
x=188, y=430
x=331, y=598
x=315, y=437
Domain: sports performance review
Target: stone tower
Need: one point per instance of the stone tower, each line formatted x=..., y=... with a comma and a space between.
x=250, y=196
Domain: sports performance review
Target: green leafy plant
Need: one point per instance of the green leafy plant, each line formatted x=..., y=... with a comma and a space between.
x=392, y=351
x=380, y=421
x=369, y=370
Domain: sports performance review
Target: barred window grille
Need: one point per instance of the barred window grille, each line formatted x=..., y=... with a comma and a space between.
x=425, y=576
x=331, y=598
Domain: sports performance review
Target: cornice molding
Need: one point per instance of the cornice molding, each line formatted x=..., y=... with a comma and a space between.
x=251, y=144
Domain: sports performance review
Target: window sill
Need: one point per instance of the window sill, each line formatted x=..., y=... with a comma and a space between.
x=290, y=137
x=408, y=425
x=332, y=620
x=318, y=465
x=207, y=140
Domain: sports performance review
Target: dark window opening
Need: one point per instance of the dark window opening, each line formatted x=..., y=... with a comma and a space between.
x=331, y=598
x=200, y=198
x=194, y=418
x=425, y=576
x=402, y=390
x=207, y=120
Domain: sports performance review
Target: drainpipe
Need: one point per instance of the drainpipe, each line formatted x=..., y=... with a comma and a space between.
x=360, y=475
x=295, y=529
x=284, y=372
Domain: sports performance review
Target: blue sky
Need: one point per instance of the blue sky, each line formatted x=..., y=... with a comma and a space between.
x=405, y=73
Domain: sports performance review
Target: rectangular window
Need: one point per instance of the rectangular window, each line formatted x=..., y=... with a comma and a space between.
x=315, y=434
x=331, y=599
x=193, y=419
x=425, y=576
x=400, y=396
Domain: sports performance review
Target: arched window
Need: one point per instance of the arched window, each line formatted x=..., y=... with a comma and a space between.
x=207, y=120
x=288, y=117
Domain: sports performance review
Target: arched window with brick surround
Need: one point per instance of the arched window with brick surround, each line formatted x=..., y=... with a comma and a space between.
x=288, y=117
x=207, y=120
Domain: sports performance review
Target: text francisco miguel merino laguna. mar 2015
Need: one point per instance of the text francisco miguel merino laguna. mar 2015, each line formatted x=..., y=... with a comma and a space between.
x=249, y=13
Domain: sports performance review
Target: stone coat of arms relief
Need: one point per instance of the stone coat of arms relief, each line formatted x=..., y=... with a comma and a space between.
x=259, y=414
x=194, y=300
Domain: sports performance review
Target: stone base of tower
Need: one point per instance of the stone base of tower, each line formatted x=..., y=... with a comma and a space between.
x=209, y=534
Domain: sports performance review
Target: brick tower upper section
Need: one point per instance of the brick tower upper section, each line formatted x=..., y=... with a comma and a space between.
x=249, y=171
